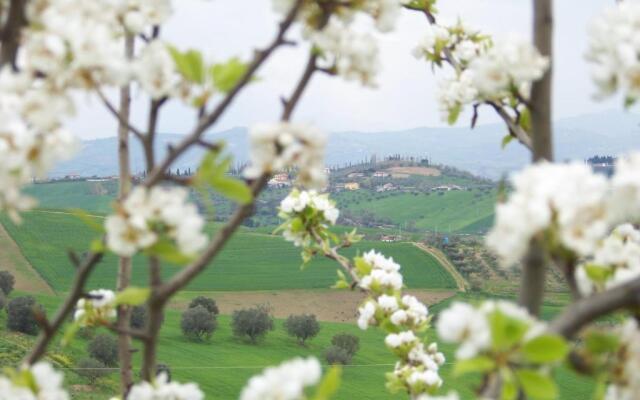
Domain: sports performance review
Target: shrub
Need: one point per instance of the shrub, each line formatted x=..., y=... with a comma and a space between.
x=91, y=369
x=206, y=302
x=86, y=333
x=303, y=327
x=337, y=355
x=3, y=300
x=6, y=282
x=104, y=348
x=346, y=341
x=198, y=323
x=252, y=322
x=138, y=317
x=21, y=315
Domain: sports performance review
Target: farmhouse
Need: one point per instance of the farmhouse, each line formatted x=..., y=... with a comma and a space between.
x=279, y=181
x=356, y=175
x=352, y=186
x=386, y=187
x=447, y=188
x=381, y=174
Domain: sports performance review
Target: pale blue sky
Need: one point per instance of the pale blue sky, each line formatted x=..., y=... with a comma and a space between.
x=405, y=97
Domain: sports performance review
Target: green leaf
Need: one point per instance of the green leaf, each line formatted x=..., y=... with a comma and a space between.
x=168, y=252
x=133, y=296
x=233, y=189
x=70, y=333
x=598, y=273
x=536, y=385
x=476, y=364
x=629, y=101
x=227, y=75
x=190, y=64
x=341, y=283
x=89, y=220
x=454, y=113
x=97, y=246
x=525, y=120
x=506, y=140
x=601, y=342
x=329, y=385
x=509, y=386
x=545, y=349
x=505, y=331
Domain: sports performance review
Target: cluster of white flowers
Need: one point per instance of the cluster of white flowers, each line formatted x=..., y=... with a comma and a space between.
x=417, y=368
x=162, y=389
x=384, y=275
x=148, y=216
x=275, y=147
x=39, y=382
x=469, y=326
x=616, y=260
x=484, y=70
x=568, y=197
x=98, y=307
x=614, y=50
x=287, y=381
x=303, y=211
x=354, y=55
x=625, y=376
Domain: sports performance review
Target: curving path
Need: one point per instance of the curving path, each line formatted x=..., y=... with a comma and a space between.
x=462, y=283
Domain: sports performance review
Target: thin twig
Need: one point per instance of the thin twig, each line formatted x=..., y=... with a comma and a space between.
x=121, y=119
x=77, y=288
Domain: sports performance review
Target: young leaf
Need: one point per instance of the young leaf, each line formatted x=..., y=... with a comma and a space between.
x=601, y=342
x=168, y=252
x=133, y=296
x=190, y=64
x=454, y=113
x=476, y=364
x=233, y=189
x=536, y=385
x=329, y=385
x=226, y=75
x=545, y=349
x=505, y=331
x=506, y=140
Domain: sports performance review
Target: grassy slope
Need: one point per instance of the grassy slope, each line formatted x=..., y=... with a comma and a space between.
x=95, y=197
x=248, y=262
x=451, y=211
x=223, y=365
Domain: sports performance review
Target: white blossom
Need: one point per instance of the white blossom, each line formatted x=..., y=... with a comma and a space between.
x=354, y=55
x=275, y=147
x=569, y=197
x=625, y=379
x=45, y=384
x=284, y=382
x=462, y=323
x=366, y=314
x=99, y=306
x=294, y=207
x=162, y=389
x=146, y=215
x=614, y=50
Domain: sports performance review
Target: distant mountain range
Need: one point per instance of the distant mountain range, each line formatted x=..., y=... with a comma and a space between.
x=477, y=150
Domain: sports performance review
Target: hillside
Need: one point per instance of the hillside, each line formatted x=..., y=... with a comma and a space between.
x=250, y=261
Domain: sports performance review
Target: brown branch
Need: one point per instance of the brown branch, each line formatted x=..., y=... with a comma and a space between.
x=586, y=310
x=156, y=307
x=10, y=35
x=77, y=288
x=124, y=263
x=205, y=123
x=122, y=120
x=534, y=266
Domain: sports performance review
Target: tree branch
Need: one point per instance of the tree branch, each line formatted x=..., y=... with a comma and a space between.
x=588, y=309
x=124, y=263
x=534, y=266
x=77, y=288
x=122, y=120
x=206, y=122
x=10, y=35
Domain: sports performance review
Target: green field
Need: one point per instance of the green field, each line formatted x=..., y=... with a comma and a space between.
x=95, y=197
x=453, y=211
x=222, y=365
x=250, y=261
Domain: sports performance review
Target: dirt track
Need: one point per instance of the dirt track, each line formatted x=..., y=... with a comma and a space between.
x=327, y=305
x=444, y=261
x=12, y=260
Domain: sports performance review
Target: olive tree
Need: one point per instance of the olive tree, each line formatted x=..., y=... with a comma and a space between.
x=21, y=315
x=7, y=281
x=104, y=348
x=198, y=323
x=302, y=327
x=253, y=323
x=206, y=302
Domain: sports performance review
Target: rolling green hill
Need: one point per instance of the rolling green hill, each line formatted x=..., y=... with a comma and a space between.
x=224, y=364
x=250, y=261
x=453, y=211
x=95, y=197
